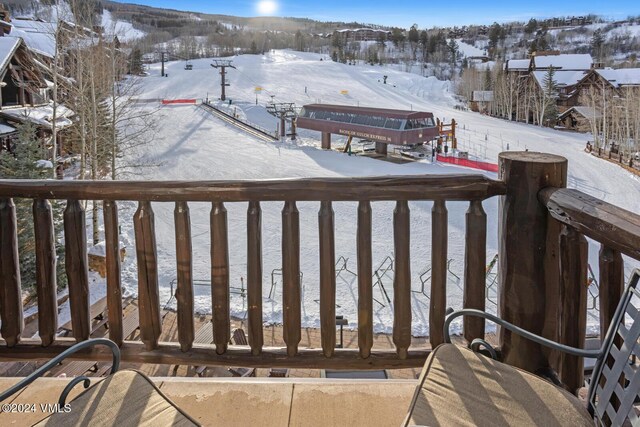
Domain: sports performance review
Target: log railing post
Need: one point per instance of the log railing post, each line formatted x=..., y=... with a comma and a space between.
x=474, y=269
x=574, y=252
x=220, y=278
x=327, y=278
x=46, y=274
x=184, y=286
x=365, y=280
x=439, y=243
x=522, y=241
x=402, y=279
x=291, y=313
x=114, y=280
x=148, y=292
x=77, y=267
x=254, y=277
x=10, y=287
x=611, y=285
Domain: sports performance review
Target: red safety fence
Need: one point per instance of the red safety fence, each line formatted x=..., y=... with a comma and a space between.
x=475, y=164
x=178, y=101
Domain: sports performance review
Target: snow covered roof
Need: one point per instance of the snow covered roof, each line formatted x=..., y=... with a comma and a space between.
x=560, y=77
x=6, y=129
x=621, y=77
x=40, y=115
x=518, y=64
x=38, y=36
x=346, y=30
x=586, y=112
x=573, y=62
x=8, y=46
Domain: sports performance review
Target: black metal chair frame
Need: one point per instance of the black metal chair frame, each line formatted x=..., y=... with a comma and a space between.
x=56, y=361
x=615, y=382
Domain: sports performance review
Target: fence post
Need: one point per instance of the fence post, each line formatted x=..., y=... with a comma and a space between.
x=524, y=287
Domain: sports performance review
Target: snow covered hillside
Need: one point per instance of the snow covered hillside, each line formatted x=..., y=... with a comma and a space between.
x=124, y=30
x=191, y=144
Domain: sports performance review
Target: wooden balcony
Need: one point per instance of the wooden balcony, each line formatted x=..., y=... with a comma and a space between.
x=543, y=266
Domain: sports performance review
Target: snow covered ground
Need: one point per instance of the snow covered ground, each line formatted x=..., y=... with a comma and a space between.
x=193, y=145
x=124, y=30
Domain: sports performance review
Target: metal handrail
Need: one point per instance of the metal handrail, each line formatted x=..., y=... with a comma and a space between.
x=59, y=358
x=595, y=354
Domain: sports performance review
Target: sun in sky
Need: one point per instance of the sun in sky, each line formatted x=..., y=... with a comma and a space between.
x=267, y=7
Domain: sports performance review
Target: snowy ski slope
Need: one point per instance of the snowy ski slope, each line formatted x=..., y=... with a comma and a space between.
x=191, y=144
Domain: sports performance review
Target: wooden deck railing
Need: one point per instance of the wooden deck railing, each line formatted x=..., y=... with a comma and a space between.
x=618, y=231
x=440, y=189
x=542, y=271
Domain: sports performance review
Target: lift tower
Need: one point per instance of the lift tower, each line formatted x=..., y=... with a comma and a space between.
x=284, y=111
x=223, y=64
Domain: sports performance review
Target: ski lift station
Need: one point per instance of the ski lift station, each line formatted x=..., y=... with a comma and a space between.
x=382, y=126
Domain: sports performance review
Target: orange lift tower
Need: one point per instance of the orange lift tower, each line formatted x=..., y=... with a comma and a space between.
x=446, y=134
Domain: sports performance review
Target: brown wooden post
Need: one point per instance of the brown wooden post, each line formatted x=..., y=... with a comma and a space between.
x=77, y=267
x=220, y=278
x=114, y=285
x=148, y=292
x=574, y=252
x=522, y=236
x=291, y=313
x=10, y=290
x=474, y=269
x=439, y=244
x=381, y=148
x=184, y=286
x=611, y=285
x=326, y=141
x=365, y=280
x=254, y=277
x=327, y=278
x=402, y=280
x=454, y=140
x=46, y=274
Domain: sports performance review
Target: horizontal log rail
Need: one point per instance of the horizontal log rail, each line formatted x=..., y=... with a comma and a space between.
x=608, y=224
x=391, y=188
x=170, y=353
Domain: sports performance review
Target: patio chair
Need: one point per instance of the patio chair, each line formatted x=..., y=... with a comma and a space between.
x=461, y=387
x=238, y=337
x=124, y=398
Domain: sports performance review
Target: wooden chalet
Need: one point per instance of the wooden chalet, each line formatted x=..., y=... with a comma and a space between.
x=613, y=81
x=578, y=118
x=24, y=94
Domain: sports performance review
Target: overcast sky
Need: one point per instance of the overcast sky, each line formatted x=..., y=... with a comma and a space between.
x=404, y=13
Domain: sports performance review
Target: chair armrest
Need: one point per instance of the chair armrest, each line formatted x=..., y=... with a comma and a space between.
x=59, y=358
x=519, y=331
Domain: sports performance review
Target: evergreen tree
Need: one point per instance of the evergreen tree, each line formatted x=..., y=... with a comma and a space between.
x=597, y=45
x=454, y=51
x=398, y=38
x=414, y=40
x=495, y=32
x=27, y=160
x=550, y=94
x=135, y=62
x=531, y=26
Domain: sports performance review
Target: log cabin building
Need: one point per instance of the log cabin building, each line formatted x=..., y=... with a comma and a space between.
x=24, y=95
x=569, y=72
